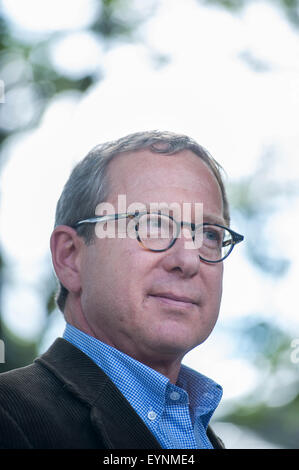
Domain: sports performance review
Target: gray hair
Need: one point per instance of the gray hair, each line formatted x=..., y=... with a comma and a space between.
x=87, y=185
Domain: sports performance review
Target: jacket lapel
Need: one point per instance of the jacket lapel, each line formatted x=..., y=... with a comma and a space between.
x=215, y=440
x=118, y=423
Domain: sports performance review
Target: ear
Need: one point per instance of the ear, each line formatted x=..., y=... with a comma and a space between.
x=66, y=248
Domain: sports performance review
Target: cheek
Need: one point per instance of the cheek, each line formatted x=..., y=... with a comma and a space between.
x=219, y=285
x=96, y=272
x=215, y=280
x=122, y=270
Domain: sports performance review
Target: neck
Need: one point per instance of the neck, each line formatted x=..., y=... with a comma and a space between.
x=169, y=365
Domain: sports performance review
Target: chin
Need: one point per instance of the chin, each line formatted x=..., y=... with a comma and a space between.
x=176, y=346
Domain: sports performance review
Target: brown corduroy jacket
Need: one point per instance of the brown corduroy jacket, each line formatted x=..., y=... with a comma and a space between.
x=65, y=401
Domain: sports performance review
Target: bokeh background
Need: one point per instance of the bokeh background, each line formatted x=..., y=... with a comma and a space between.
x=226, y=72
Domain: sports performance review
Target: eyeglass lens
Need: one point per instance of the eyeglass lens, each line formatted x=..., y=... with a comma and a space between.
x=158, y=231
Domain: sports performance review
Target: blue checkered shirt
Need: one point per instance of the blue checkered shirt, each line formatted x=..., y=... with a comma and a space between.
x=177, y=415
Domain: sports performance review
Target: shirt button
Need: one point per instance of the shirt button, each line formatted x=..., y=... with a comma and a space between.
x=209, y=396
x=175, y=396
x=152, y=415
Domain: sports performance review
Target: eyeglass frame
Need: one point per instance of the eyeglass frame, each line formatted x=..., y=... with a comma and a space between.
x=236, y=237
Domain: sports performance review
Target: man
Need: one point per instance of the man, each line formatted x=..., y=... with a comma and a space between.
x=139, y=288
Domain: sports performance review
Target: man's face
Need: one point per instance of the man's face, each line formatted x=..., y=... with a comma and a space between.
x=153, y=306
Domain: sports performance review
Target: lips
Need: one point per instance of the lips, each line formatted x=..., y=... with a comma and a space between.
x=174, y=298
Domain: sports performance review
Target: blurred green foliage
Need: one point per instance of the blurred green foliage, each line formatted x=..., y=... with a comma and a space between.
x=27, y=70
x=271, y=410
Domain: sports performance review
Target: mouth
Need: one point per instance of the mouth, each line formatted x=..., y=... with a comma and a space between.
x=174, y=300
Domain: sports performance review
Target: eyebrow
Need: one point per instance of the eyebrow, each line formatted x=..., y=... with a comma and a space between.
x=214, y=219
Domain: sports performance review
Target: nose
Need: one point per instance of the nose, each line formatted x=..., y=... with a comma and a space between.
x=182, y=256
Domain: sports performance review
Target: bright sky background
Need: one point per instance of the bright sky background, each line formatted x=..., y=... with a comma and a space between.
x=206, y=90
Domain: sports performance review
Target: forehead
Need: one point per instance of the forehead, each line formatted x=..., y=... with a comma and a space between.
x=147, y=177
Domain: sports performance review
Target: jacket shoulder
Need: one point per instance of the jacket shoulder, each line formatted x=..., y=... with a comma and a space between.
x=38, y=410
x=19, y=391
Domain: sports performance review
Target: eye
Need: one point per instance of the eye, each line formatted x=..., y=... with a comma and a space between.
x=212, y=236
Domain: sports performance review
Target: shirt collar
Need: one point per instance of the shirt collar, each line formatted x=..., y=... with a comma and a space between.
x=204, y=393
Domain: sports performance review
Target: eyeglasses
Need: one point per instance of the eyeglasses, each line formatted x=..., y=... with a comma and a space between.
x=159, y=232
